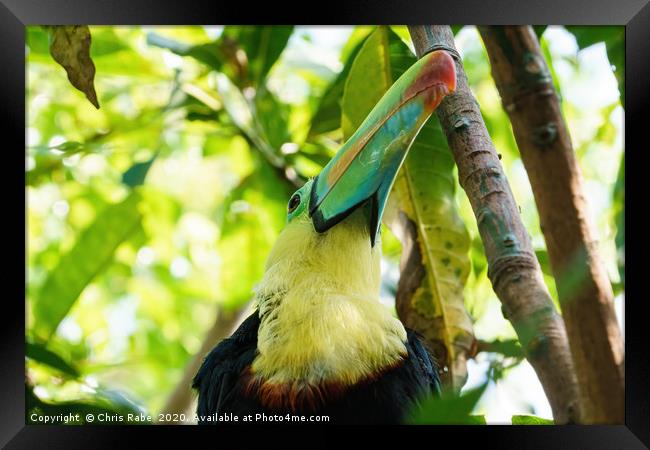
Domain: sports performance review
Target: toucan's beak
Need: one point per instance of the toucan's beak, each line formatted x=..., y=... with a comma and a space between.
x=364, y=169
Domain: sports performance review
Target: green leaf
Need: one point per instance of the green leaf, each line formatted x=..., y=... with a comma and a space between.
x=70, y=147
x=618, y=288
x=424, y=194
x=272, y=117
x=510, y=348
x=328, y=114
x=539, y=30
x=456, y=28
x=90, y=255
x=38, y=352
x=136, y=174
x=590, y=35
x=544, y=262
x=37, y=40
x=70, y=47
x=449, y=409
x=65, y=149
x=244, y=116
x=106, y=42
x=530, y=420
x=476, y=419
x=208, y=53
x=263, y=46
x=548, y=56
x=370, y=76
x=48, y=161
x=358, y=35
x=477, y=256
x=237, y=107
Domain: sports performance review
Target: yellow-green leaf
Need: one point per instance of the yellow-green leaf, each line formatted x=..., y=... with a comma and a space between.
x=360, y=92
x=424, y=195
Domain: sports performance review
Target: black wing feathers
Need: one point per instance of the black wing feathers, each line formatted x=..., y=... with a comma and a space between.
x=425, y=360
x=216, y=379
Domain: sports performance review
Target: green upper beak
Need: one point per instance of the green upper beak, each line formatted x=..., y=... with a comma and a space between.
x=365, y=167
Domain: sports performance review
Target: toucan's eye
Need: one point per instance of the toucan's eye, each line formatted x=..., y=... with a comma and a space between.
x=293, y=203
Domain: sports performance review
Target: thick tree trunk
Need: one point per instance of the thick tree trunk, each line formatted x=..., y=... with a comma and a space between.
x=529, y=97
x=226, y=322
x=512, y=266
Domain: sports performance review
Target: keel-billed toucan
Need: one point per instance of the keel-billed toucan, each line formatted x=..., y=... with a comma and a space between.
x=319, y=341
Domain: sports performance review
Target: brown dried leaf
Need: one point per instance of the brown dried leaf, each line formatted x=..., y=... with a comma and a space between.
x=70, y=47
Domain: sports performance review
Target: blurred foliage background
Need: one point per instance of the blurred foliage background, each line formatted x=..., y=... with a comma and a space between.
x=150, y=216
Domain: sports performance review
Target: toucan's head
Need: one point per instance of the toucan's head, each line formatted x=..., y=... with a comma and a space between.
x=333, y=221
x=362, y=172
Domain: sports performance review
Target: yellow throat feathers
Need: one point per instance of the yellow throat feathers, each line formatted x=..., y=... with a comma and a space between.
x=322, y=320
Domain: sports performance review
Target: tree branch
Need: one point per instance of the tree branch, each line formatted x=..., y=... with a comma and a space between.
x=529, y=97
x=512, y=266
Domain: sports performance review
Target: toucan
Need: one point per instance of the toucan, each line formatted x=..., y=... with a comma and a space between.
x=319, y=342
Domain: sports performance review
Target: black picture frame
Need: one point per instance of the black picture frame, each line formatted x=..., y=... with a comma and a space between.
x=16, y=14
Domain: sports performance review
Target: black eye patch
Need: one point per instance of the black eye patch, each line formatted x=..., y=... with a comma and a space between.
x=293, y=203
